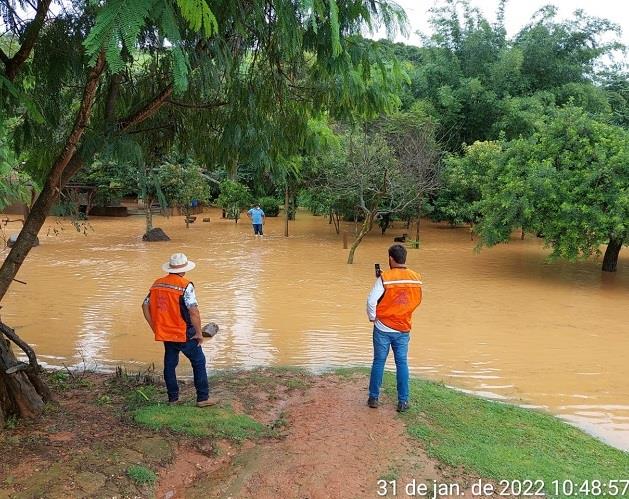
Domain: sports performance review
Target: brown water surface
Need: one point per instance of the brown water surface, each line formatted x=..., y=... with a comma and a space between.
x=503, y=323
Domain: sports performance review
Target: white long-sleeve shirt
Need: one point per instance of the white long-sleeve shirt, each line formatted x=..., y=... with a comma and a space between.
x=372, y=302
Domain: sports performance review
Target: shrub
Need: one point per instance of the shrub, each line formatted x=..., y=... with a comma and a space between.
x=270, y=206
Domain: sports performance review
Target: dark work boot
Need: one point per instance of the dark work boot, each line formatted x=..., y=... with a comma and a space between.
x=402, y=406
x=372, y=402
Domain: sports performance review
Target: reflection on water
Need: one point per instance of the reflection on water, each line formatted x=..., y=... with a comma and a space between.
x=504, y=323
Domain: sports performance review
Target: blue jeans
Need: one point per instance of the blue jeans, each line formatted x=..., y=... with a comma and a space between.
x=399, y=345
x=257, y=229
x=193, y=351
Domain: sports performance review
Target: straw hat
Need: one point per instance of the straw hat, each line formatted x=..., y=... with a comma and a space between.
x=178, y=263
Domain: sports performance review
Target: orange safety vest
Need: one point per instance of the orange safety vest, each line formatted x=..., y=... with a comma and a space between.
x=402, y=295
x=165, y=304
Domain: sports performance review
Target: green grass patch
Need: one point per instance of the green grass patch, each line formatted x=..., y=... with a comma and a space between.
x=217, y=422
x=350, y=372
x=505, y=442
x=141, y=475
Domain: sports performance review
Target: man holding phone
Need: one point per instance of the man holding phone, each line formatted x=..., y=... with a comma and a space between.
x=395, y=295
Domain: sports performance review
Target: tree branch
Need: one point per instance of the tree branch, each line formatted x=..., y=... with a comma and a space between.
x=30, y=37
x=207, y=105
x=150, y=129
x=30, y=353
x=112, y=97
x=147, y=111
x=76, y=162
x=4, y=58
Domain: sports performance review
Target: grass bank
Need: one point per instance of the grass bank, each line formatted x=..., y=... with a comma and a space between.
x=503, y=442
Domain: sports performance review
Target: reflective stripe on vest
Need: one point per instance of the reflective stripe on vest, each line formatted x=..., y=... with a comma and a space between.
x=165, y=306
x=402, y=295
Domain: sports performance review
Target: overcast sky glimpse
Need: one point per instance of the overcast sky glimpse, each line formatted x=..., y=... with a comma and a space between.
x=519, y=12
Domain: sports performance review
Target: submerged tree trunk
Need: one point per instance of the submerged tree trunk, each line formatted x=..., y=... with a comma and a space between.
x=364, y=230
x=149, y=215
x=337, y=222
x=286, y=207
x=416, y=243
x=610, y=260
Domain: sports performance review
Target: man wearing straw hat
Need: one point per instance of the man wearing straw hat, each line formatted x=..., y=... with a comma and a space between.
x=172, y=312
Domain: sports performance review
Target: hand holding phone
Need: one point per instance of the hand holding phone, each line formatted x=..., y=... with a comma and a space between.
x=378, y=270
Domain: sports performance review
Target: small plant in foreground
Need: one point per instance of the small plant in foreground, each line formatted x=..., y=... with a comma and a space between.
x=141, y=475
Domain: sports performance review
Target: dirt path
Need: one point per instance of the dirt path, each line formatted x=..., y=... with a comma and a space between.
x=335, y=447
x=323, y=442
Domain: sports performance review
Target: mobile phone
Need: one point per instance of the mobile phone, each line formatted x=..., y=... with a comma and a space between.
x=378, y=270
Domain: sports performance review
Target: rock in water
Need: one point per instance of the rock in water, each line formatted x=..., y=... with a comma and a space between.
x=13, y=238
x=155, y=234
x=210, y=329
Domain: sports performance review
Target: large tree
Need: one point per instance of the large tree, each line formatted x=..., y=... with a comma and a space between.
x=568, y=182
x=369, y=178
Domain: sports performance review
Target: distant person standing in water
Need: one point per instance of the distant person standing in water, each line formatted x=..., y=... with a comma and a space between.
x=395, y=295
x=257, y=219
x=172, y=312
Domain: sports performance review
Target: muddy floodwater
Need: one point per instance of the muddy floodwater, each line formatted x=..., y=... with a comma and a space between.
x=504, y=323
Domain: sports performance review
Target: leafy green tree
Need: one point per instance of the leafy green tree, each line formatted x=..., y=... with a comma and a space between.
x=462, y=180
x=369, y=177
x=13, y=181
x=479, y=83
x=615, y=81
x=270, y=206
x=182, y=182
x=556, y=53
x=411, y=136
x=568, y=182
x=234, y=197
x=111, y=180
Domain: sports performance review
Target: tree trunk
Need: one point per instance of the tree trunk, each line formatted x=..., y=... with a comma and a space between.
x=50, y=192
x=416, y=243
x=337, y=222
x=293, y=205
x=149, y=215
x=364, y=230
x=22, y=392
x=286, y=206
x=610, y=260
